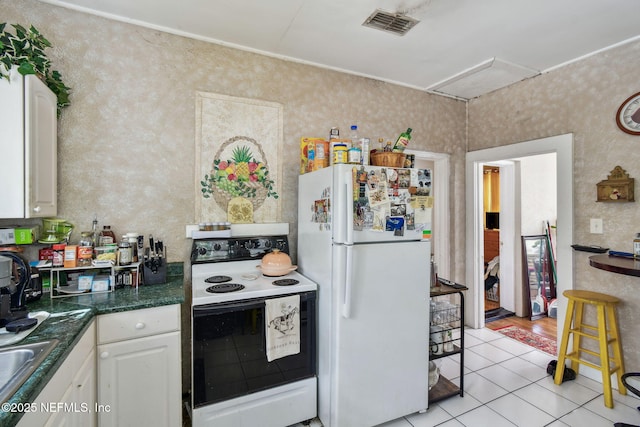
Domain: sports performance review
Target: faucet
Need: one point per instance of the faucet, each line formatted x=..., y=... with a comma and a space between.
x=12, y=296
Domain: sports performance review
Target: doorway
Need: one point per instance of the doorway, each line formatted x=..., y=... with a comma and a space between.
x=493, y=286
x=440, y=246
x=562, y=146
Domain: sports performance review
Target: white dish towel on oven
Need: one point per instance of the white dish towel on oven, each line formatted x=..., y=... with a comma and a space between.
x=282, y=323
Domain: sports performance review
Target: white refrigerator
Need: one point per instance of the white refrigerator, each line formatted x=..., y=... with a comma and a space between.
x=373, y=289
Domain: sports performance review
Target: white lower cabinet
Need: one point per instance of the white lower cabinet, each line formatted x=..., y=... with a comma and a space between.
x=139, y=368
x=70, y=396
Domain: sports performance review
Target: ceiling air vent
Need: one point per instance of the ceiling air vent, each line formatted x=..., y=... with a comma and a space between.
x=395, y=23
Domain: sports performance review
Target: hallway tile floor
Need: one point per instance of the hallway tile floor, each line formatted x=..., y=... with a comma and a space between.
x=506, y=384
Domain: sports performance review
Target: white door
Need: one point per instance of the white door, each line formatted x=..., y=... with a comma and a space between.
x=381, y=350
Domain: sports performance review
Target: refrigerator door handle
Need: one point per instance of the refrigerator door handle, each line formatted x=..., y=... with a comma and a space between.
x=348, y=280
x=349, y=206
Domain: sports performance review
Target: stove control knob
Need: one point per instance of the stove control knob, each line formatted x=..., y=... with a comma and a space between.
x=249, y=245
x=202, y=250
x=216, y=246
x=267, y=244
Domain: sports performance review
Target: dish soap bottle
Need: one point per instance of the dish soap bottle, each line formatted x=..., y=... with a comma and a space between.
x=636, y=246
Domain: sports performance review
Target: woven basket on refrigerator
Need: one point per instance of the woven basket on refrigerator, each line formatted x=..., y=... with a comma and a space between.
x=393, y=160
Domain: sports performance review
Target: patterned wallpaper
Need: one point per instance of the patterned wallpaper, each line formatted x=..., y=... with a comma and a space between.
x=126, y=143
x=581, y=98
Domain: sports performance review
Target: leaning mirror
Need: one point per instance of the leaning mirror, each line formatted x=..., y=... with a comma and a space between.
x=537, y=276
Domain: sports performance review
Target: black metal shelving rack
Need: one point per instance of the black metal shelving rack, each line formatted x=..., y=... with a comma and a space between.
x=450, y=318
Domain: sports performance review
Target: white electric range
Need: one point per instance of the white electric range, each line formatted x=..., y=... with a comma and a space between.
x=232, y=381
x=237, y=280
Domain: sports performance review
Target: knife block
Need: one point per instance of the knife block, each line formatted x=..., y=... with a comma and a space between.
x=154, y=274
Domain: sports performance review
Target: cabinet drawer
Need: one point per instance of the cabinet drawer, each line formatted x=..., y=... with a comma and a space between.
x=138, y=323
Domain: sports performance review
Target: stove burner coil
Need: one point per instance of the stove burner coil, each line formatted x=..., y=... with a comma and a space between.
x=224, y=288
x=286, y=282
x=217, y=279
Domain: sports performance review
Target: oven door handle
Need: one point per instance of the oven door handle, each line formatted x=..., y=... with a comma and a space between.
x=226, y=307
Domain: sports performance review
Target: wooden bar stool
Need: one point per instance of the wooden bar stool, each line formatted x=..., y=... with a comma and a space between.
x=605, y=333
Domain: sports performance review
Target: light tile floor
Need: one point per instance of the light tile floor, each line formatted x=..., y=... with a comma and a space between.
x=506, y=384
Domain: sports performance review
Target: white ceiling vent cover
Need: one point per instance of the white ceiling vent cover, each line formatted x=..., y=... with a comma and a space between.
x=390, y=22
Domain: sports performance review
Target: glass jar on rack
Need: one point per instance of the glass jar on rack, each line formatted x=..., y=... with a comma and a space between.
x=125, y=256
x=85, y=249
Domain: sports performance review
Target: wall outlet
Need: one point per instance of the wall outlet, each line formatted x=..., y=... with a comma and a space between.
x=596, y=226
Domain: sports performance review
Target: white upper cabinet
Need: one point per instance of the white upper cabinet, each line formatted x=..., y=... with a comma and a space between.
x=28, y=148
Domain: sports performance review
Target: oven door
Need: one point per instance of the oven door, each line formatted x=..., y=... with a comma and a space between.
x=229, y=356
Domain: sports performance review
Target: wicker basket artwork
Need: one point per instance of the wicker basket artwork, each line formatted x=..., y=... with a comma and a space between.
x=385, y=158
x=239, y=169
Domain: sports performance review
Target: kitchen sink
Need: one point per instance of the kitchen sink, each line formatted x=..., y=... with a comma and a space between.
x=18, y=362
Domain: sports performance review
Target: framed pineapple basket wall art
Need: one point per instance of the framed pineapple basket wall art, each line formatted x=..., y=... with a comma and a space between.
x=238, y=152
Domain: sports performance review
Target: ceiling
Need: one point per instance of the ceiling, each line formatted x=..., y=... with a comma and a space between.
x=460, y=48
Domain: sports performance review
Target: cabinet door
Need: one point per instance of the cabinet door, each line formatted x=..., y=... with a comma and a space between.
x=84, y=393
x=76, y=408
x=12, y=146
x=68, y=399
x=41, y=153
x=139, y=380
x=62, y=415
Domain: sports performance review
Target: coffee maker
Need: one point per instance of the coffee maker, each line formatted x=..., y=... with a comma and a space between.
x=14, y=278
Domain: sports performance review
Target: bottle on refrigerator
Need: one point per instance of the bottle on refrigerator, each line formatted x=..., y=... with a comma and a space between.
x=334, y=138
x=402, y=141
x=365, y=151
x=334, y=133
x=355, y=140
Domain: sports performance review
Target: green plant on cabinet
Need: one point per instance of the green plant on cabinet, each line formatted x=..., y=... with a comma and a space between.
x=25, y=50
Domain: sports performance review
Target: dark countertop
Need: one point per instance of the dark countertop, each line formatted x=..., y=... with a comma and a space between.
x=70, y=317
x=621, y=265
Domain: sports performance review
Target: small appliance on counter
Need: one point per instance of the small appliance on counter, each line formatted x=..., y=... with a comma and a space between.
x=33, y=290
x=55, y=230
x=5, y=271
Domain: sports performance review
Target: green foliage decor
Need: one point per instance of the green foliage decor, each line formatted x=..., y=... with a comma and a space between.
x=239, y=176
x=25, y=49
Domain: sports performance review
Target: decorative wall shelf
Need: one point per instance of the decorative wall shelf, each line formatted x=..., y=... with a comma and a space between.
x=618, y=187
